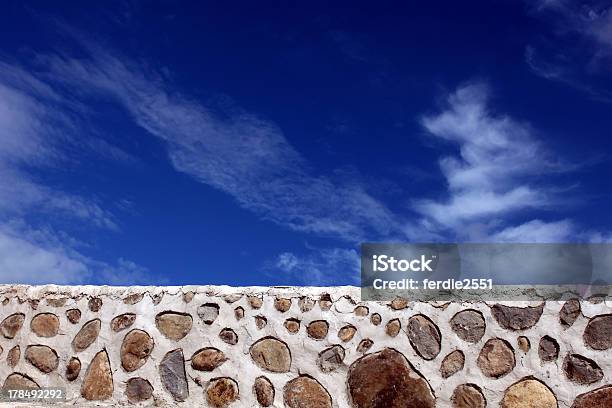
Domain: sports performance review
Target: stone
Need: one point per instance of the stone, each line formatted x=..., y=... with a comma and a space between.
x=188, y=296
x=331, y=358
x=468, y=396
x=173, y=375
x=133, y=298
x=57, y=302
x=11, y=325
x=292, y=325
x=87, y=335
x=306, y=304
x=528, y=393
x=364, y=345
x=600, y=397
x=347, y=332
x=361, y=311
x=581, y=370
x=207, y=359
x=239, y=313
x=73, y=315
x=469, y=325
x=208, y=312
x=452, y=363
x=271, y=354
x=232, y=297
x=138, y=390
x=45, y=325
x=42, y=357
x=19, y=381
x=517, y=318
x=264, y=391
x=496, y=358
x=256, y=302
x=260, y=321
x=598, y=332
x=318, y=329
x=399, y=303
x=569, y=312
x=156, y=298
x=424, y=336
x=393, y=327
x=375, y=319
x=33, y=303
x=13, y=356
x=386, y=379
x=282, y=304
x=73, y=369
x=136, y=348
x=98, y=381
x=221, y=392
x=228, y=336
x=123, y=321
x=548, y=350
x=325, y=302
x=523, y=343
x=95, y=304
x=306, y=392
x=174, y=325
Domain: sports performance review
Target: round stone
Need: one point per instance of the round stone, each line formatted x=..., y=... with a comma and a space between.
x=524, y=343
x=174, y=325
x=207, y=359
x=347, y=332
x=600, y=397
x=45, y=325
x=569, y=312
x=133, y=298
x=228, y=336
x=188, y=296
x=548, y=350
x=376, y=319
x=318, y=329
x=98, y=381
x=123, y=321
x=135, y=350
x=292, y=325
x=256, y=302
x=208, y=312
x=496, y=358
x=424, y=336
x=138, y=390
x=598, y=332
x=264, y=391
x=581, y=370
x=393, y=327
x=306, y=392
x=87, y=335
x=517, y=318
x=260, y=321
x=42, y=357
x=73, y=315
x=361, y=311
x=282, y=304
x=452, y=363
x=325, y=302
x=73, y=369
x=399, y=303
x=468, y=396
x=331, y=358
x=271, y=354
x=386, y=379
x=95, y=304
x=221, y=392
x=529, y=393
x=469, y=325
x=239, y=313
x=11, y=325
x=364, y=345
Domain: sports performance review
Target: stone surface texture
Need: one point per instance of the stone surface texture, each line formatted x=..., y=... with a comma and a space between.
x=309, y=354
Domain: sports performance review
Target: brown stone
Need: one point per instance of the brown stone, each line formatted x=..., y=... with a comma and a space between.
x=386, y=379
x=228, y=336
x=239, y=313
x=496, y=358
x=364, y=345
x=452, y=363
x=33, y=303
x=325, y=302
x=57, y=302
x=11, y=325
x=13, y=356
x=517, y=318
x=174, y=325
x=87, y=335
x=138, y=390
x=133, y=298
x=569, y=312
x=375, y=319
x=306, y=392
x=73, y=369
x=45, y=325
x=548, y=350
x=208, y=312
x=292, y=325
x=399, y=303
x=260, y=321
x=135, y=350
x=524, y=343
x=271, y=354
x=306, y=304
x=469, y=325
x=232, y=297
x=173, y=375
x=221, y=392
x=424, y=336
x=361, y=311
x=600, y=397
x=95, y=304
x=581, y=370
x=264, y=391
x=123, y=321
x=598, y=332
x=42, y=357
x=528, y=393
x=188, y=297
x=282, y=304
x=347, y=332
x=256, y=302
x=73, y=315
x=19, y=381
x=207, y=359
x=317, y=329
x=331, y=358
x=468, y=396
x=98, y=381
x=393, y=327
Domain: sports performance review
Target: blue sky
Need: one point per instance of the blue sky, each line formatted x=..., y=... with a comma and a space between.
x=206, y=143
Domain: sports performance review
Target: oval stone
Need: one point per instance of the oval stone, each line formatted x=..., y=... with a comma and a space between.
x=600, y=397
x=306, y=392
x=45, y=325
x=469, y=325
x=87, y=335
x=174, y=325
x=42, y=357
x=271, y=354
x=264, y=391
x=138, y=389
x=598, y=332
x=207, y=359
x=581, y=370
x=529, y=393
x=135, y=350
x=122, y=322
x=73, y=369
x=468, y=396
x=424, y=336
x=496, y=358
x=452, y=363
x=11, y=325
x=221, y=392
x=318, y=329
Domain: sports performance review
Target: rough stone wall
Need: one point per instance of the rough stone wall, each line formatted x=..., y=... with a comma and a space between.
x=301, y=348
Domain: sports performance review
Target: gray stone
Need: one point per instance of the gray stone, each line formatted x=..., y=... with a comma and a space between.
x=424, y=336
x=517, y=318
x=598, y=332
x=208, y=312
x=581, y=370
x=569, y=312
x=173, y=375
x=469, y=325
x=548, y=350
x=138, y=390
x=331, y=358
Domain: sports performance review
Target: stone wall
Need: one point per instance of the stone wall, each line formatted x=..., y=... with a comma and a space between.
x=301, y=348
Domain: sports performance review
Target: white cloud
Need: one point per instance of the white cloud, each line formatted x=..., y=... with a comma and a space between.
x=537, y=231
x=320, y=267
